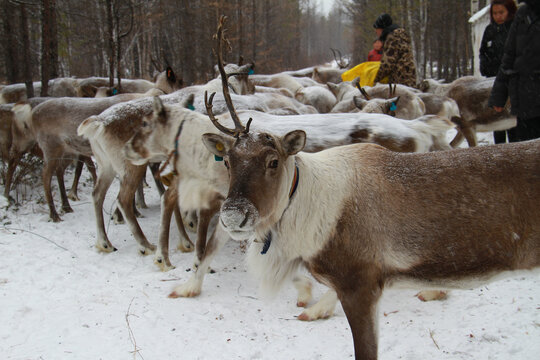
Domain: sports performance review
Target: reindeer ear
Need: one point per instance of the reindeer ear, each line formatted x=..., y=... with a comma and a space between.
x=332, y=87
x=391, y=104
x=188, y=103
x=359, y=102
x=159, y=109
x=217, y=144
x=294, y=141
x=171, y=77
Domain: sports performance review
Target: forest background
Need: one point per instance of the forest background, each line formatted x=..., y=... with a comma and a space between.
x=134, y=38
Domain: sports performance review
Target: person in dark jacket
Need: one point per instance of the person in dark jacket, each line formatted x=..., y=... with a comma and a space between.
x=502, y=14
x=397, y=62
x=518, y=77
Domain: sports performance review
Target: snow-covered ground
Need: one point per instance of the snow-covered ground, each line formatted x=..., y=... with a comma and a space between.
x=61, y=299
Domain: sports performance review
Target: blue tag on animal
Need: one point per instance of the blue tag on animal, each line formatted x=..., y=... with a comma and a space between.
x=218, y=158
x=251, y=72
x=191, y=107
x=393, y=107
x=114, y=91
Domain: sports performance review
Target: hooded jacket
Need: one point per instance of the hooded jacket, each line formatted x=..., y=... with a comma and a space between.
x=519, y=74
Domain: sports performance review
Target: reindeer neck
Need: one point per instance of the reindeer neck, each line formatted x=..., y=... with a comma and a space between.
x=312, y=196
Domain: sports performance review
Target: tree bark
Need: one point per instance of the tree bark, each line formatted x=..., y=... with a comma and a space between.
x=27, y=63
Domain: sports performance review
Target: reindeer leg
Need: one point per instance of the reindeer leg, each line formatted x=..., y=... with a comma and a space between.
x=139, y=196
x=14, y=160
x=193, y=286
x=185, y=244
x=303, y=286
x=168, y=203
x=90, y=166
x=154, y=168
x=470, y=134
x=78, y=171
x=61, y=186
x=205, y=216
x=104, y=179
x=359, y=301
x=457, y=139
x=48, y=168
x=323, y=309
x=128, y=186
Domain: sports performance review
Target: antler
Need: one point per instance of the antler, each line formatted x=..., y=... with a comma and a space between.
x=391, y=91
x=238, y=127
x=341, y=63
x=362, y=91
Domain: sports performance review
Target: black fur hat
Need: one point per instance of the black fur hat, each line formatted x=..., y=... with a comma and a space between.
x=383, y=21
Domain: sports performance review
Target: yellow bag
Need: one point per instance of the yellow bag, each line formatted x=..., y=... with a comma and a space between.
x=366, y=71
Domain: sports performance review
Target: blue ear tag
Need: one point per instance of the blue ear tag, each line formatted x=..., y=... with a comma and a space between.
x=114, y=91
x=251, y=72
x=218, y=158
x=393, y=107
x=191, y=107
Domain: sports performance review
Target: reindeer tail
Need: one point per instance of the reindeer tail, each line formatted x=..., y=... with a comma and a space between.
x=90, y=127
x=22, y=116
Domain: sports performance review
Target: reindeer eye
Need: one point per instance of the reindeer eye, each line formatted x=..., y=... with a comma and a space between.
x=273, y=164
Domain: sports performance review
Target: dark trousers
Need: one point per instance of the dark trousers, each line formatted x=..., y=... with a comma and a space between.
x=499, y=137
x=526, y=129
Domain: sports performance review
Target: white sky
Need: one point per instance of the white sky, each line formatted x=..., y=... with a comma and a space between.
x=326, y=5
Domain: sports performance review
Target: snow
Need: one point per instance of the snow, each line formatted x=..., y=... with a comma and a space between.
x=61, y=299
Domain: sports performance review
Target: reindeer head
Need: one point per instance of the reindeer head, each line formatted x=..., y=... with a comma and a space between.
x=168, y=82
x=376, y=105
x=259, y=166
x=154, y=140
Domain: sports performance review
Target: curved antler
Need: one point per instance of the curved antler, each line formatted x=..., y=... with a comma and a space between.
x=391, y=91
x=362, y=91
x=341, y=63
x=238, y=127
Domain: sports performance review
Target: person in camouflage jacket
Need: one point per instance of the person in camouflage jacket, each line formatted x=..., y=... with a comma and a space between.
x=397, y=61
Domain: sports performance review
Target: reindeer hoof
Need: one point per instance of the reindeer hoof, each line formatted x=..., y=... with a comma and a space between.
x=185, y=246
x=106, y=248
x=163, y=264
x=55, y=218
x=301, y=304
x=67, y=209
x=150, y=249
x=306, y=317
x=73, y=197
x=431, y=295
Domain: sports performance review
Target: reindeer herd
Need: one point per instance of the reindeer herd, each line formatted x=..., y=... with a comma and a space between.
x=358, y=185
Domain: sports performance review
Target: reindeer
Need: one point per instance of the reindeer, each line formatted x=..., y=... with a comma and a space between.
x=59, y=87
x=471, y=95
x=384, y=100
x=165, y=82
x=202, y=180
x=389, y=218
x=324, y=75
x=321, y=98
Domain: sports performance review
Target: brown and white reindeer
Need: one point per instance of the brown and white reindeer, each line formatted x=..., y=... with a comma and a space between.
x=18, y=139
x=362, y=218
x=203, y=180
x=471, y=95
